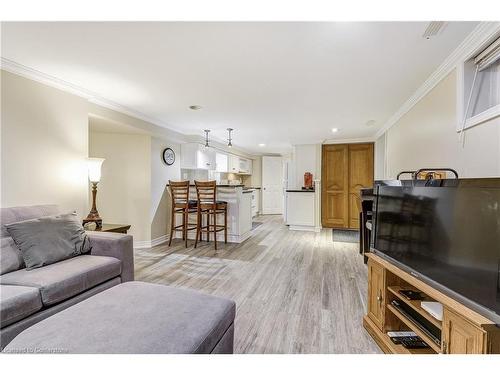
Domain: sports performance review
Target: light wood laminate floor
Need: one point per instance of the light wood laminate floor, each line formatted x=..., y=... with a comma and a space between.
x=295, y=292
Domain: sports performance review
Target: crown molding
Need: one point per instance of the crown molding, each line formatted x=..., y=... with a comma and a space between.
x=348, y=140
x=60, y=84
x=478, y=37
x=46, y=79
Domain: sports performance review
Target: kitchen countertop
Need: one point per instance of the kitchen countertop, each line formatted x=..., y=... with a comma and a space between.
x=218, y=185
x=245, y=188
x=300, y=191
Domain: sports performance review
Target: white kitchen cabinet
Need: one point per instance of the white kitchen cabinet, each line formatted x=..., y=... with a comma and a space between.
x=245, y=166
x=197, y=156
x=240, y=165
x=255, y=202
x=250, y=166
x=234, y=164
x=221, y=162
x=301, y=210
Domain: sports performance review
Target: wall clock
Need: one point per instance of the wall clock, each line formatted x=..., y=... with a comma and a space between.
x=168, y=156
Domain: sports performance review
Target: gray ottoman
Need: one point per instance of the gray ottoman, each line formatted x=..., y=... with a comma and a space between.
x=135, y=317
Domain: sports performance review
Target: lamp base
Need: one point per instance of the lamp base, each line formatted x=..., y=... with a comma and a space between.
x=93, y=217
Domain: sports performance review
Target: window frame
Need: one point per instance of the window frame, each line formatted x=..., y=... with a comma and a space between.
x=462, y=96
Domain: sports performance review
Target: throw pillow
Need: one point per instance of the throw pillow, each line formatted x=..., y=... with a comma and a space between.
x=49, y=239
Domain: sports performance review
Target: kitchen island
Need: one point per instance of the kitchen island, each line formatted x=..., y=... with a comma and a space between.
x=239, y=213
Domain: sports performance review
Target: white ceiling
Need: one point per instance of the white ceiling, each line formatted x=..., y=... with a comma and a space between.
x=274, y=83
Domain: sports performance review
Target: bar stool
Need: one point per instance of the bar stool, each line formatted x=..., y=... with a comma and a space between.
x=181, y=204
x=209, y=205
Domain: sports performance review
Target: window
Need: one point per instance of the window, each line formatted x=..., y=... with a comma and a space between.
x=480, y=90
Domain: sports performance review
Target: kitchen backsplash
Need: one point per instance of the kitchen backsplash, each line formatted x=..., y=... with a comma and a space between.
x=204, y=175
x=194, y=174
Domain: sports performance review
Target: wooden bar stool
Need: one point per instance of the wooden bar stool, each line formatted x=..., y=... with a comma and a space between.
x=209, y=205
x=181, y=204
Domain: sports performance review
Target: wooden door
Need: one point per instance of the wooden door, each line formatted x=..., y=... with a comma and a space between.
x=345, y=170
x=360, y=176
x=376, y=293
x=272, y=185
x=334, y=182
x=460, y=336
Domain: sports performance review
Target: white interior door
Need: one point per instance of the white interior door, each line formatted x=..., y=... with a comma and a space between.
x=272, y=185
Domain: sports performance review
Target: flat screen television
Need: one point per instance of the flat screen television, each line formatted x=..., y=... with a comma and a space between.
x=447, y=235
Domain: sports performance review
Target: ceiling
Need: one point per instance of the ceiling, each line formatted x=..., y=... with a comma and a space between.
x=277, y=83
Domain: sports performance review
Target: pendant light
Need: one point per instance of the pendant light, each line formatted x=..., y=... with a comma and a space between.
x=229, y=139
x=206, y=138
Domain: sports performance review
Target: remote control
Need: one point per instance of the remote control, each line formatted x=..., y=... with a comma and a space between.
x=411, y=295
x=415, y=344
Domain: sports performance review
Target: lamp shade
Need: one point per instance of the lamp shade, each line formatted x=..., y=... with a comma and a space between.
x=94, y=166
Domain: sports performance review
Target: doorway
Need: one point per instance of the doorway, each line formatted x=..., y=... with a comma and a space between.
x=272, y=185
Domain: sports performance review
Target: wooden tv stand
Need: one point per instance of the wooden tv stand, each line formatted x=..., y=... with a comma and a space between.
x=463, y=331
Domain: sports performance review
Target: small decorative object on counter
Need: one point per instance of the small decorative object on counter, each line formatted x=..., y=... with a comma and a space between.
x=308, y=181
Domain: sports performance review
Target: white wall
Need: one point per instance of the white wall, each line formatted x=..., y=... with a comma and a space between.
x=124, y=193
x=379, y=163
x=160, y=197
x=305, y=158
x=426, y=137
x=44, y=140
x=256, y=180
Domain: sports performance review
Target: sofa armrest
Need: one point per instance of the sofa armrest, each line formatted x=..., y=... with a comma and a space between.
x=115, y=245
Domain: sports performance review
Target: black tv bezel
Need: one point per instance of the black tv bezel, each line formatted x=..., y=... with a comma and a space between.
x=480, y=309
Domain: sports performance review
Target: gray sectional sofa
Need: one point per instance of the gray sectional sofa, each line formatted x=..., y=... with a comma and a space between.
x=113, y=313
x=28, y=297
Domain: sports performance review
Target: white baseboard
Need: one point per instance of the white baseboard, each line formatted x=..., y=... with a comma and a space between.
x=231, y=238
x=305, y=228
x=154, y=242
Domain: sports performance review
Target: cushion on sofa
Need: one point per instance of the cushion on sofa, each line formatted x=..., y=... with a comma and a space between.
x=49, y=239
x=67, y=278
x=10, y=256
x=14, y=214
x=134, y=317
x=18, y=302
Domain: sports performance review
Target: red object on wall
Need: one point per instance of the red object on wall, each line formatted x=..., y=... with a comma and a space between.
x=308, y=180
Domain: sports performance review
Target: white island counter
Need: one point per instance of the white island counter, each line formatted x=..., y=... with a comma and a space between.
x=239, y=213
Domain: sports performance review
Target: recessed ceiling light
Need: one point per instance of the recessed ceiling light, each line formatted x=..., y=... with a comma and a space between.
x=195, y=107
x=335, y=130
x=262, y=145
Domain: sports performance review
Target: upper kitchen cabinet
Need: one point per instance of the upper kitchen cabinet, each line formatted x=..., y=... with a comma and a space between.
x=234, y=164
x=221, y=162
x=197, y=156
x=240, y=165
x=245, y=166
